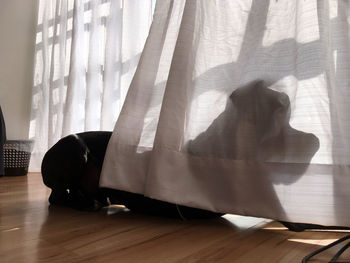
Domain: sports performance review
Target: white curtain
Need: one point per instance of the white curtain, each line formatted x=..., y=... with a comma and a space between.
x=86, y=55
x=241, y=107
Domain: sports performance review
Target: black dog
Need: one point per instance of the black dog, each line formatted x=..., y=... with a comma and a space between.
x=72, y=167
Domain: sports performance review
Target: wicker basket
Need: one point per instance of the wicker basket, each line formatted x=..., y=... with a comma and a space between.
x=17, y=156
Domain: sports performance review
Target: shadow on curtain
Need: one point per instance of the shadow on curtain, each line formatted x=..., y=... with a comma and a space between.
x=213, y=140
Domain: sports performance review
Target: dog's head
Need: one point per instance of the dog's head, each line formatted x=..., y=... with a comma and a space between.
x=262, y=109
x=64, y=163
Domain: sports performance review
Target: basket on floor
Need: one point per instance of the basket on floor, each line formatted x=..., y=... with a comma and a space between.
x=17, y=156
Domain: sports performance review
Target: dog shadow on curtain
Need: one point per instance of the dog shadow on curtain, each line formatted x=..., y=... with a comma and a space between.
x=254, y=126
x=254, y=130
x=255, y=123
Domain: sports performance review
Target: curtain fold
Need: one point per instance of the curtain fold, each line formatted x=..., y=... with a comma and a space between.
x=240, y=107
x=86, y=54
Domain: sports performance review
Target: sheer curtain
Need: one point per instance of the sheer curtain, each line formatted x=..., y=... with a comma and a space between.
x=86, y=55
x=241, y=107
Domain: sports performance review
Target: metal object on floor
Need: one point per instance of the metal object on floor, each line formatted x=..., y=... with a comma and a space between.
x=324, y=248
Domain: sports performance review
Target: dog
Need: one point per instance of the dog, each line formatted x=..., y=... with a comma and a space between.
x=72, y=168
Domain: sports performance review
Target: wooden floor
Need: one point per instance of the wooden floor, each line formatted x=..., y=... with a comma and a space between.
x=31, y=231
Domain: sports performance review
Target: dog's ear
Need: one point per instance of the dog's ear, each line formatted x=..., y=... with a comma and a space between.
x=243, y=91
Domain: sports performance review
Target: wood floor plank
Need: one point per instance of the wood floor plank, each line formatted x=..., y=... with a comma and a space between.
x=31, y=231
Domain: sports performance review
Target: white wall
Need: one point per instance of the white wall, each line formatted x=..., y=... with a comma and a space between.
x=17, y=42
